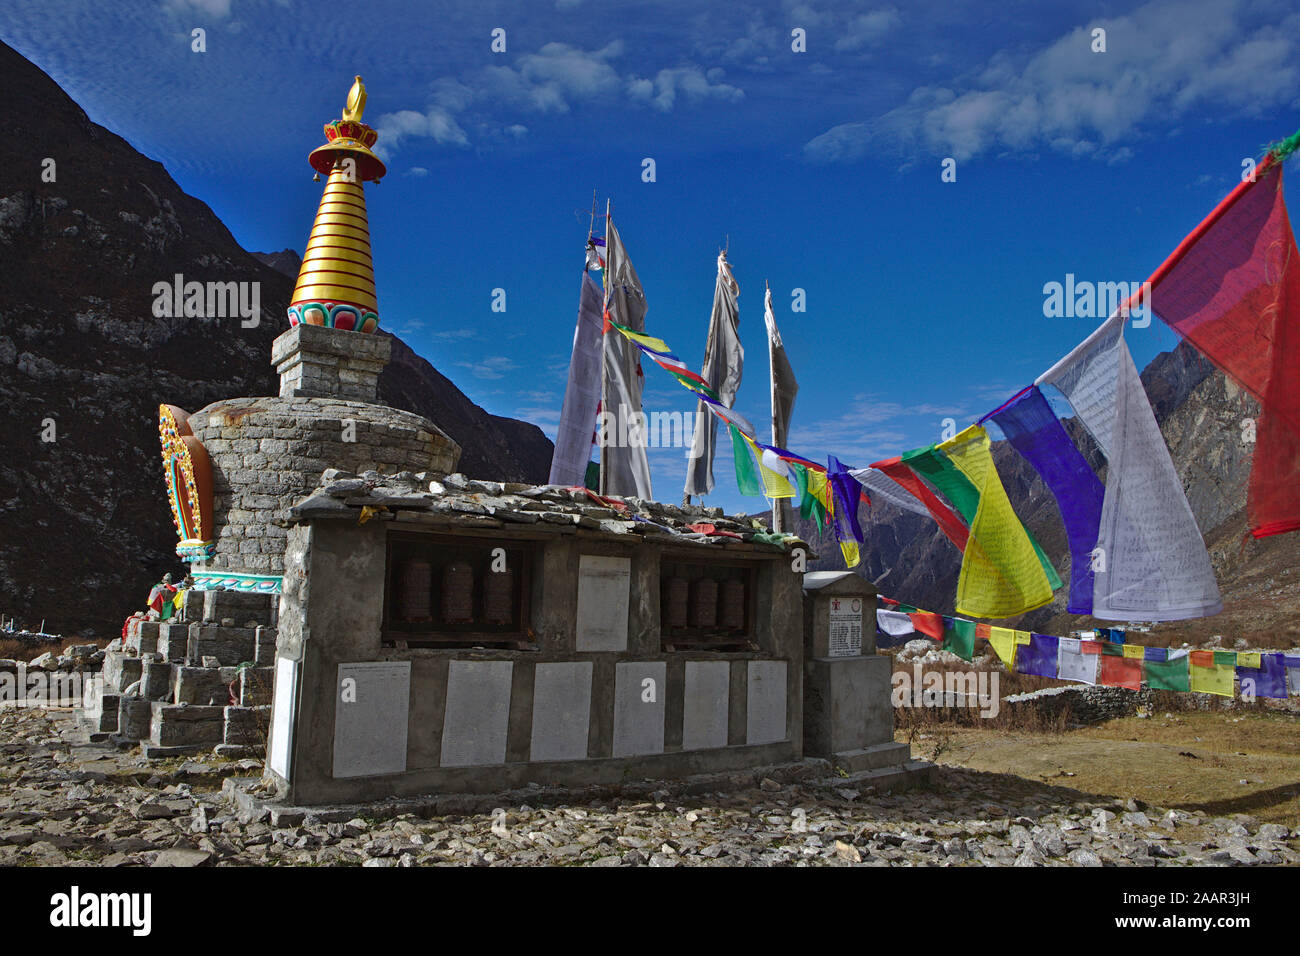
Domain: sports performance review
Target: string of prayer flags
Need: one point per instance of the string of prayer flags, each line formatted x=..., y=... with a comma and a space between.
x=657, y=350
x=1170, y=674
x=959, y=637
x=1078, y=660
x=1038, y=436
x=1262, y=675
x=1232, y=289
x=1212, y=672
x=1084, y=660
x=1039, y=656
x=1001, y=571
x=1150, y=561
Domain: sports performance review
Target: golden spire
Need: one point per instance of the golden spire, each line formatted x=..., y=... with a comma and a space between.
x=356, y=102
x=336, y=283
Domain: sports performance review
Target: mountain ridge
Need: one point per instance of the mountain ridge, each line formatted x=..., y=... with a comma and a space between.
x=85, y=528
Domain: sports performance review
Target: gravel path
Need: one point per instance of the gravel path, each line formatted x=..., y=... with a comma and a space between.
x=67, y=802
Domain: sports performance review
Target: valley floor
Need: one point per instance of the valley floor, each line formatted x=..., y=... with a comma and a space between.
x=999, y=798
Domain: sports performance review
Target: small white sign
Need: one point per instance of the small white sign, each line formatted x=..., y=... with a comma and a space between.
x=846, y=627
x=282, y=710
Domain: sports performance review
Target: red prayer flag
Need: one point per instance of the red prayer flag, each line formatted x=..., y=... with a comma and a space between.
x=945, y=517
x=1232, y=289
x=928, y=623
x=1120, y=672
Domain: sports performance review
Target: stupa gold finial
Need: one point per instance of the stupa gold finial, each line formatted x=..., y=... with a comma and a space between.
x=356, y=102
x=336, y=282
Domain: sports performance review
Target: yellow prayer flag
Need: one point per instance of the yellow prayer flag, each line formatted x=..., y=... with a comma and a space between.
x=1216, y=679
x=1134, y=650
x=819, y=487
x=649, y=341
x=1001, y=574
x=1249, y=659
x=1003, y=641
x=775, y=485
x=851, y=555
x=1023, y=637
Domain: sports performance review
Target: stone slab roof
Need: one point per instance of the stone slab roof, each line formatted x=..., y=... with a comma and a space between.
x=454, y=501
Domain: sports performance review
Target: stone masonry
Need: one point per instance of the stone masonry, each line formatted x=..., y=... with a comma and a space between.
x=314, y=362
x=196, y=683
x=268, y=452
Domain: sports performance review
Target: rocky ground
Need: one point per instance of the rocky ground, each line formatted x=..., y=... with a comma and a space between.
x=67, y=802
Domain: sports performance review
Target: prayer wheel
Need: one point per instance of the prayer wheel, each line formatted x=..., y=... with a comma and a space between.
x=674, y=598
x=458, y=593
x=499, y=597
x=731, y=612
x=415, y=590
x=704, y=603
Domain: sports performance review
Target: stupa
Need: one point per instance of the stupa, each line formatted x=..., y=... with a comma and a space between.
x=234, y=467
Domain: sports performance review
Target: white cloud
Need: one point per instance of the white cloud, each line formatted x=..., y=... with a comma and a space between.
x=868, y=28
x=212, y=8
x=691, y=83
x=1162, y=60
x=491, y=367
x=436, y=123
x=555, y=80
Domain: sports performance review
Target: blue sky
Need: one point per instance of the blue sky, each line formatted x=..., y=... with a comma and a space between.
x=821, y=169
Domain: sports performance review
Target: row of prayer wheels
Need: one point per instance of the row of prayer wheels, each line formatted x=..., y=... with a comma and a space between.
x=703, y=603
x=415, y=587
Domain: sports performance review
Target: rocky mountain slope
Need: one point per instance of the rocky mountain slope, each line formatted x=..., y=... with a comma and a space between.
x=1200, y=413
x=84, y=363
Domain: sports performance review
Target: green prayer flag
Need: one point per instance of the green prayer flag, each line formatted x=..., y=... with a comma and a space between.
x=931, y=463
x=959, y=637
x=747, y=480
x=1167, y=675
x=809, y=506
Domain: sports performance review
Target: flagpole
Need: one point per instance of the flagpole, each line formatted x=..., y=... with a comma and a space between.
x=604, y=366
x=781, y=518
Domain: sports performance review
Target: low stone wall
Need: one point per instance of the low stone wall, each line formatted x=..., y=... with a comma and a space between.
x=1086, y=704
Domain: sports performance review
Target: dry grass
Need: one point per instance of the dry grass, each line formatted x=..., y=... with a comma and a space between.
x=11, y=649
x=1219, y=761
